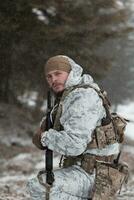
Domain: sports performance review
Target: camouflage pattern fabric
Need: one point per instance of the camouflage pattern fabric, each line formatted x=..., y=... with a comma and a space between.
x=109, y=180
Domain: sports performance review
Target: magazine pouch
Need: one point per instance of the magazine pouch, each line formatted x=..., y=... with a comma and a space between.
x=109, y=179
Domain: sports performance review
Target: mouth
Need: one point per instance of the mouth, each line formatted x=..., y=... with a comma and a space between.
x=56, y=85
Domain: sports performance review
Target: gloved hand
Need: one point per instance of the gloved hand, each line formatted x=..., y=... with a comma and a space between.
x=37, y=137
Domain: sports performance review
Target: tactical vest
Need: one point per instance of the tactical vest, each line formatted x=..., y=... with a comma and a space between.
x=109, y=132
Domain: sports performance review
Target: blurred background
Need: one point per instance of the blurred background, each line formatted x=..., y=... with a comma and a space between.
x=99, y=35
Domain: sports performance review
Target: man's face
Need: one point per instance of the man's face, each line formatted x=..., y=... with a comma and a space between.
x=56, y=80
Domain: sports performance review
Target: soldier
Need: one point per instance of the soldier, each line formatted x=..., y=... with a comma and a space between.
x=78, y=116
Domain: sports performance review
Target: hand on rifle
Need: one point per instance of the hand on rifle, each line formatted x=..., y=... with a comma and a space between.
x=37, y=136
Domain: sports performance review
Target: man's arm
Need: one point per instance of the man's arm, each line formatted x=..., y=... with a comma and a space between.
x=82, y=112
x=37, y=136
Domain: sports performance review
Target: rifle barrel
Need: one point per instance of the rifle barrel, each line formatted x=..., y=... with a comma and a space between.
x=49, y=153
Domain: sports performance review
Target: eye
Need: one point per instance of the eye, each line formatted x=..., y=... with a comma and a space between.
x=48, y=77
x=57, y=73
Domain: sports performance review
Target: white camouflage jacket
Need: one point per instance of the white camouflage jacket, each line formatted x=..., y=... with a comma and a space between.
x=82, y=111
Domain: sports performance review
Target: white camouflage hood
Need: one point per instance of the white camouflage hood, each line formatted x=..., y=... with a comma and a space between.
x=75, y=76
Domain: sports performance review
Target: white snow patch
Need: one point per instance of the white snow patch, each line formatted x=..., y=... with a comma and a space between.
x=129, y=149
x=43, y=19
x=44, y=105
x=12, y=178
x=52, y=11
x=28, y=98
x=22, y=156
x=41, y=165
x=127, y=111
x=120, y=5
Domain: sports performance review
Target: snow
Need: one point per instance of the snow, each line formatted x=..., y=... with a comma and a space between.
x=44, y=14
x=119, y=5
x=127, y=111
x=41, y=165
x=28, y=98
x=51, y=10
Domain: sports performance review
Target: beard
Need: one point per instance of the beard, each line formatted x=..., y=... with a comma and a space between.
x=55, y=90
x=59, y=94
x=57, y=87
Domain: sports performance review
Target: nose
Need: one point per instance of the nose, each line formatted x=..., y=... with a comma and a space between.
x=53, y=78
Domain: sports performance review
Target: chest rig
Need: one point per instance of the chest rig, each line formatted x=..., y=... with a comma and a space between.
x=109, y=132
x=109, y=173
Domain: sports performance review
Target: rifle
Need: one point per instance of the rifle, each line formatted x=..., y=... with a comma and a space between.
x=49, y=153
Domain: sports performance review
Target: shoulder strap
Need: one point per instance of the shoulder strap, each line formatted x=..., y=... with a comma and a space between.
x=67, y=91
x=106, y=103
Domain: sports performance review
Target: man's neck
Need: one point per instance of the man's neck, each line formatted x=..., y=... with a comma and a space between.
x=58, y=96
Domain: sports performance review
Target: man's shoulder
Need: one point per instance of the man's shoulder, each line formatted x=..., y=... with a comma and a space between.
x=80, y=91
x=84, y=86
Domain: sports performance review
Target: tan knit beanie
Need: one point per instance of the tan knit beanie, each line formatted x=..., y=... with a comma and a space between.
x=59, y=62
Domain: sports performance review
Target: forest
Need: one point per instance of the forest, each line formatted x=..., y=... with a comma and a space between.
x=97, y=34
